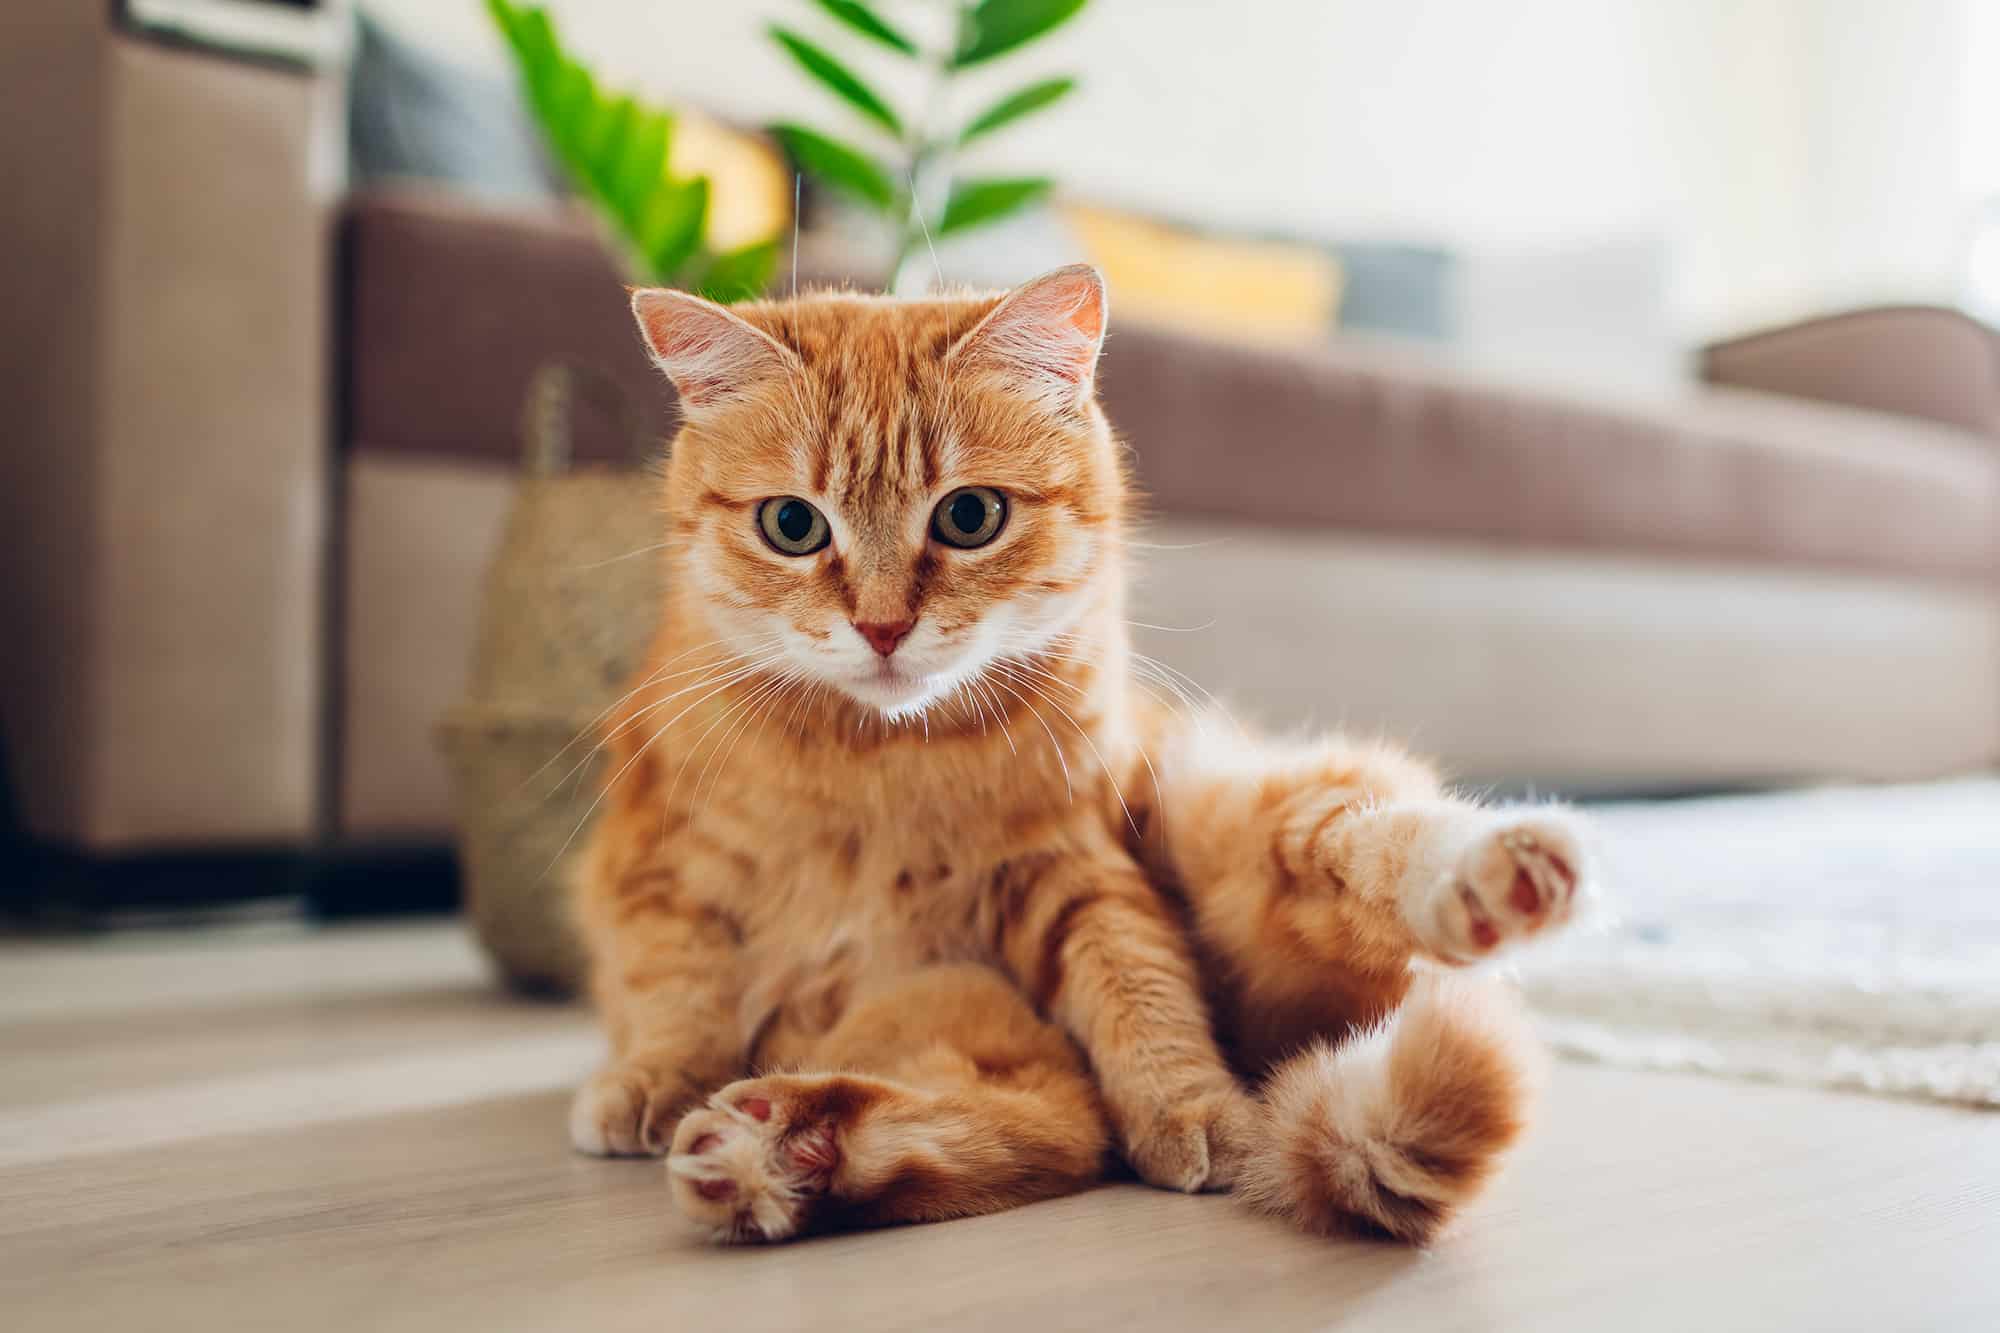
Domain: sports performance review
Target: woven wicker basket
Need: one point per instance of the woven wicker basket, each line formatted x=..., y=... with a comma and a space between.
x=570, y=602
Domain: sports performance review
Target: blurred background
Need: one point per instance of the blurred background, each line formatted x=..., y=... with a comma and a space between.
x=1592, y=391
x=1600, y=395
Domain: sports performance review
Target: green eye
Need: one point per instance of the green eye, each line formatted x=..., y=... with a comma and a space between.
x=792, y=526
x=970, y=516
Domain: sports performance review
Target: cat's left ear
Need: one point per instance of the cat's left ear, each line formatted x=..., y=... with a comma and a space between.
x=709, y=352
x=1044, y=334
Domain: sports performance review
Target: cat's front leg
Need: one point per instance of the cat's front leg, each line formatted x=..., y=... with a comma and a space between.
x=666, y=973
x=1089, y=940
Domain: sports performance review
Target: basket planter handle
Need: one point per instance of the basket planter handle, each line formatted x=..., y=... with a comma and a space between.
x=548, y=416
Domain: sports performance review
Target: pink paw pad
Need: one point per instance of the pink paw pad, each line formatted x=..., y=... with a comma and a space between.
x=1543, y=879
x=1484, y=933
x=814, y=1151
x=1526, y=898
x=1518, y=879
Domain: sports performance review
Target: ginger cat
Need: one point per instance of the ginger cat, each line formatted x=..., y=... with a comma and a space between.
x=905, y=904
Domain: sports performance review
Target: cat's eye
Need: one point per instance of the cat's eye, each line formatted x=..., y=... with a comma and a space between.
x=970, y=516
x=792, y=526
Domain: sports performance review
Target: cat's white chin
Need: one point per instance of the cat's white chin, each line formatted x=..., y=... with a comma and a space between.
x=893, y=691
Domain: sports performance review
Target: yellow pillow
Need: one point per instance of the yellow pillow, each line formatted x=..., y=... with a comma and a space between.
x=749, y=184
x=1166, y=275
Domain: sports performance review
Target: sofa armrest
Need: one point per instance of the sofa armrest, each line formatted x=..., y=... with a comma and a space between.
x=1919, y=361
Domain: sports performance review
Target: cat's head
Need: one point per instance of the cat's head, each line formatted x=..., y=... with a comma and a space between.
x=885, y=496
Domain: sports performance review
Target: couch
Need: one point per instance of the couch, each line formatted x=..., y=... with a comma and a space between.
x=1788, y=569
x=1555, y=586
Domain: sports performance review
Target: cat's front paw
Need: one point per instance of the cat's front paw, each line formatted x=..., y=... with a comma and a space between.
x=1192, y=1144
x=629, y=1110
x=747, y=1166
x=1516, y=875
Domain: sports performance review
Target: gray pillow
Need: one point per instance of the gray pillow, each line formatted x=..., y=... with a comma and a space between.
x=411, y=115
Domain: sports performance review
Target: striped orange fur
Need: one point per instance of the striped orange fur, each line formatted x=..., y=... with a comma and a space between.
x=904, y=902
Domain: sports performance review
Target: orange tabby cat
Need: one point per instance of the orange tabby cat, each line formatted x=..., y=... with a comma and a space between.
x=905, y=904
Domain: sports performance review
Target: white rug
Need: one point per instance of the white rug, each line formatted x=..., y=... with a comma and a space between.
x=1842, y=937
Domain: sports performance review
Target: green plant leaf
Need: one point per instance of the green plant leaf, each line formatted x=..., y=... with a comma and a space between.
x=865, y=20
x=839, y=78
x=974, y=202
x=616, y=150
x=1016, y=105
x=995, y=27
x=532, y=38
x=668, y=229
x=541, y=61
x=610, y=124
x=641, y=164
x=507, y=18
x=838, y=165
x=572, y=105
x=738, y=275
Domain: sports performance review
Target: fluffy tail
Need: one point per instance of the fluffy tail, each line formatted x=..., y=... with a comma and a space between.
x=1390, y=1132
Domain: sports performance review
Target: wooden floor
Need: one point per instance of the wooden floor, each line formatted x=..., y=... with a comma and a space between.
x=353, y=1131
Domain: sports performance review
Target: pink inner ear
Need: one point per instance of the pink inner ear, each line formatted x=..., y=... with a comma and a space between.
x=704, y=349
x=1082, y=299
x=1049, y=328
x=1066, y=310
x=680, y=351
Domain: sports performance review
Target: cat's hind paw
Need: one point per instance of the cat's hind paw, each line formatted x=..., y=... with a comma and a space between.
x=747, y=1166
x=1519, y=874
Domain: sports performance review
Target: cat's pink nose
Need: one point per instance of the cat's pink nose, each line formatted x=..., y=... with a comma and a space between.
x=883, y=636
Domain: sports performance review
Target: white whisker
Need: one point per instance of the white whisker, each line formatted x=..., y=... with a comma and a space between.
x=756, y=707
x=605, y=790
x=1054, y=744
x=1175, y=546
x=726, y=672
x=917, y=209
x=734, y=706
x=983, y=688
x=659, y=674
x=1175, y=629
x=612, y=560
x=1116, y=789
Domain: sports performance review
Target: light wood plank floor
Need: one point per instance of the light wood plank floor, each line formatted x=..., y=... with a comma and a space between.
x=351, y=1130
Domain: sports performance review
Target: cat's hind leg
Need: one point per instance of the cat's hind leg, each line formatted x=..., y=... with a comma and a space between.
x=1391, y=1131
x=954, y=1098
x=1315, y=872
x=1328, y=882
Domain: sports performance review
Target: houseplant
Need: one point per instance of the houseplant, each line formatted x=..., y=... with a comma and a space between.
x=617, y=151
x=911, y=180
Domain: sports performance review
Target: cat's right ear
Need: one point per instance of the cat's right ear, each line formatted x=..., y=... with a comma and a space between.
x=1044, y=336
x=711, y=354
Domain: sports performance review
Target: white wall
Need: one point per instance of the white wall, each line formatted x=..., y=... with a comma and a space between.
x=1796, y=153
x=1883, y=80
